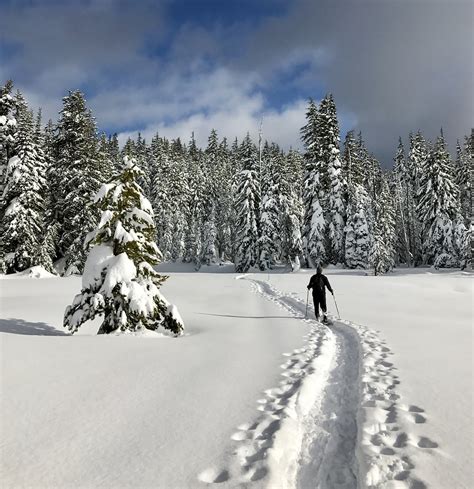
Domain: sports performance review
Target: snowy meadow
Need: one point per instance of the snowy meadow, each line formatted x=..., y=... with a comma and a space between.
x=270, y=398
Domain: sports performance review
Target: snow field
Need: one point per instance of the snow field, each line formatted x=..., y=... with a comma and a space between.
x=126, y=412
x=426, y=318
x=342, y=408
x=339, y=422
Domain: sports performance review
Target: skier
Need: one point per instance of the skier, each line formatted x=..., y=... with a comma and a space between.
x=318, y=283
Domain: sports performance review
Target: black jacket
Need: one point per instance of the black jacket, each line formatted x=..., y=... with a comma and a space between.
x=318, y=283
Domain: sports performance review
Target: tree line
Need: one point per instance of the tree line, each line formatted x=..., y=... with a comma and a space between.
x=254, y=205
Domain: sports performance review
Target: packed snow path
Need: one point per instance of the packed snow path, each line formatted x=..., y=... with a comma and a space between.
x=335, y=420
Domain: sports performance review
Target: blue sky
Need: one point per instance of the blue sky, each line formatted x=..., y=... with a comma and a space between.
x=394, y=66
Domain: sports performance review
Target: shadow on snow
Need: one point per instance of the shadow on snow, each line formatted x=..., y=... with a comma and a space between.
x=19, y=326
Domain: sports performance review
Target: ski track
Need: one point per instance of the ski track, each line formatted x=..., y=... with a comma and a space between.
x=334, y=421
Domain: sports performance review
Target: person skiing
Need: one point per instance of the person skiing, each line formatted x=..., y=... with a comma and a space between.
x=318, y=283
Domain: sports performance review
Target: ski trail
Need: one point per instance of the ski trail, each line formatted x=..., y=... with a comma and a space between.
x=335, y=421
x=328, y=449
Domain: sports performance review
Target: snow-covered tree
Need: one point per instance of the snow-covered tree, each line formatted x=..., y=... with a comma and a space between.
x=437, y=196
x=8, y=128
x=463, y=180
x=462, y=242
x=403, y=195
x=353, y=162
x=382, y=253
x=335, y=209
x=209, y=253
x=291, y=208
x=247, y=203
x=119, y=281
x=23, y=218
x=314, y=224
x=357, y=237
x=77, y=176
x=269, y=239
x=194, y=205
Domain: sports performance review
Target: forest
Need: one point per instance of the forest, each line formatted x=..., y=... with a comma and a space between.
x=247, y=202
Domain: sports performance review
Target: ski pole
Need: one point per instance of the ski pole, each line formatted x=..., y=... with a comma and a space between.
x=306, y=312
x=337, y=309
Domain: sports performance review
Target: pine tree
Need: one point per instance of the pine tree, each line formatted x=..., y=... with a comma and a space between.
x=336, y=209
x=194, y=205
x=353, y=163
x=417, y=159
x=291, y=206
x=8, y=129
x=268, y=241
x=463, y=180
x=77, y=174
x=403, y=196
x=462, y=242
x=382, y=252
x=437, y=206
x=119, y=281
x=314, y=224
x=23, y=198
x=357, y=237
x=209, y=253
x=247, y=204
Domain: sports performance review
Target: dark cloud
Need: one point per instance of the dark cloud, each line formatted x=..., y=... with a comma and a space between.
x=394, y=66
x=397, y=65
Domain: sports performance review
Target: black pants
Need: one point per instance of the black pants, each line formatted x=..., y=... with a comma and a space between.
x=319, y=300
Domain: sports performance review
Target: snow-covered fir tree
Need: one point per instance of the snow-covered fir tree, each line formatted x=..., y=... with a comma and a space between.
x=291, y=208
x=462, y=242
x=353, y=162
x=437, y=197
x=416, y=161
x=403, y=195
x=119, y=281
x=23, y=219
x=194, y=205
x=357, y=243
x=208, y=251
x=314, y=223
x=382, y=252
x=247, y=206
x=463, y=180
x=8, y=129
x=77, y=177
x=335, y=209
x=269, y=238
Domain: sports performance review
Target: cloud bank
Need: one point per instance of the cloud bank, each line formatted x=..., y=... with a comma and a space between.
x=394, y=66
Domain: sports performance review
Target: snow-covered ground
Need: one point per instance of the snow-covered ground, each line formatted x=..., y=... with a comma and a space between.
x=252, y=395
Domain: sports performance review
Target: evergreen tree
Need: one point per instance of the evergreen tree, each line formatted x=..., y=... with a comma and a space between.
x=403, y=202
x=463, y=180
x=194, y=205
x=417, y=159
x=247, y=204
x=8, y=129
x=336, y=209
x=357, y=237
x=382, y=252
x=437, y=206
x=209, y=253
x=77, y=177
x=23, y=199
x=291, y=208
x=314, y=224
x=462, y=242
x=353, y=163
x=119, y=281
x=268, y=241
